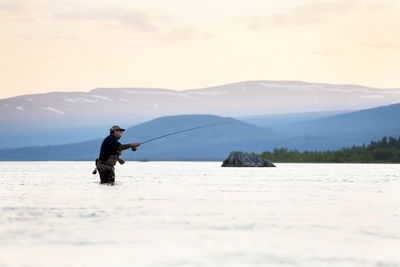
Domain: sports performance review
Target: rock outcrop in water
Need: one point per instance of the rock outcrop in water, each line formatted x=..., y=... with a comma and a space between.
x=239, y=159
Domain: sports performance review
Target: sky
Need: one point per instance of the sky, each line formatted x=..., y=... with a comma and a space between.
x=79, y=45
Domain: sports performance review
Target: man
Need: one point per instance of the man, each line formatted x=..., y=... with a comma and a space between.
x=109, y=154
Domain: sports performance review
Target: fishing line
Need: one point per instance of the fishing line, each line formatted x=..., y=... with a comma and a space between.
x=194, y=128
x=211, y=125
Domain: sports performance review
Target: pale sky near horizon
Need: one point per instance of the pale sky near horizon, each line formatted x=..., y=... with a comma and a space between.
x=79, y=45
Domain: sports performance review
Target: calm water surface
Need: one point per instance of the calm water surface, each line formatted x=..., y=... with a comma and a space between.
x=199, y=214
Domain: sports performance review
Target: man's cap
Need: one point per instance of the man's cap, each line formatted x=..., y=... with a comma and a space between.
x=116, y=128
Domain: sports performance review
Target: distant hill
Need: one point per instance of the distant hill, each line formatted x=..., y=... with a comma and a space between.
x=350, y=128
x=371, y=119
x=67, y=117
x=215, y=143
x=202, y=144
x=271, y=120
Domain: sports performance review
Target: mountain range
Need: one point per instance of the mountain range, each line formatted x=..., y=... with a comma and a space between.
x=66, y=117
x=228, y=134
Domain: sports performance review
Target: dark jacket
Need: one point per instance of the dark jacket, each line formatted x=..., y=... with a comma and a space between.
x=111, y=146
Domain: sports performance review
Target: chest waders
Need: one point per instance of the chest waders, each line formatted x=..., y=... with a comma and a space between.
x=106, y=169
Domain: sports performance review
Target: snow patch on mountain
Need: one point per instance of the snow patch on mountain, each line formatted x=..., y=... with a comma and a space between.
x=103, y=98
x=131, y=92
x=80, y=100
x=297, y=87
x=152, y=106
x=51, y=109
x=316, y=87
x=347, y=90
x=351, y=102
x=211, y=93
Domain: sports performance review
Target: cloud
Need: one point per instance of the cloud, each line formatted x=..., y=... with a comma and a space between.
x=179, y=34
x=312, y=13
x=139, y=21
x=12, y=5
x=19, y=10
x=129, y=18
x=318, y=12
x=158, y=27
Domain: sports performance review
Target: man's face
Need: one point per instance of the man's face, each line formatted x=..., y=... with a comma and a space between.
x=118, y=134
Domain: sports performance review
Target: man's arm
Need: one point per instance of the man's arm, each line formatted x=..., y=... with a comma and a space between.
x=126, y=146
x=123, y=147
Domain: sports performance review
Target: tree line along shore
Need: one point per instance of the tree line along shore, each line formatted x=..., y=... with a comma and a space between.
x=386, y=150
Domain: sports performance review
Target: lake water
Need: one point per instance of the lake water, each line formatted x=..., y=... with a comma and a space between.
x=199, y=214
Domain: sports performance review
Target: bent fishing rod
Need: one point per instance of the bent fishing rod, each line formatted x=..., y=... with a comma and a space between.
x=192, y=129
x=199, y=127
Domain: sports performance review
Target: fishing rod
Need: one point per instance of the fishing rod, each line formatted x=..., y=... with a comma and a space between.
x=191, y=129
x=204, y=126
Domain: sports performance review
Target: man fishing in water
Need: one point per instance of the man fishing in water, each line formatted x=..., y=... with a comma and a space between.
x=110, y=151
